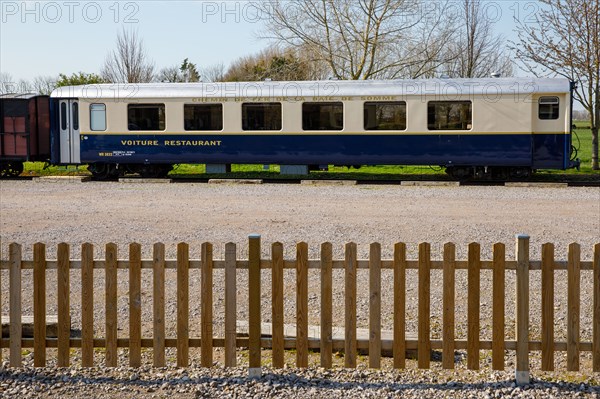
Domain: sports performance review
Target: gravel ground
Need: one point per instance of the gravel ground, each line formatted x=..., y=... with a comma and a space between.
x=67, y=211
x=313, y=383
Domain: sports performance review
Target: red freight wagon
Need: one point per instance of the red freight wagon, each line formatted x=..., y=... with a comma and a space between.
x=24, y=131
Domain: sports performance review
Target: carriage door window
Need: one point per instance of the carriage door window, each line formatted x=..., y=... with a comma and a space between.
x=63, y=116
x=548, y=107
x=69, y=132
x=97, y=117
x=449, y=115
x=75, y=111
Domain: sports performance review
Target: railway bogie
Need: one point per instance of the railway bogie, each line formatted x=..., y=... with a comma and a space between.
x=483, y=173
x=107, y=171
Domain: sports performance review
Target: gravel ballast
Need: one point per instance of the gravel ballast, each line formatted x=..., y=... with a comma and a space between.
x=73, y=212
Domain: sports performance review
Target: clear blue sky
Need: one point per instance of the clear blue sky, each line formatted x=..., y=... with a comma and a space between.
x=52, y=37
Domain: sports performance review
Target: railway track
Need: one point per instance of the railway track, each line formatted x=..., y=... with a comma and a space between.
x=417, y=180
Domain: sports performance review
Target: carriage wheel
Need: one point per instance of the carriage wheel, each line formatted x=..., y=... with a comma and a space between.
x=102, y=171
x=154, y=171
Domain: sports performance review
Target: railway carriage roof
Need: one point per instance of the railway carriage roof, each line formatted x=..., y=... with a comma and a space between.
x=334, y=88
x=19, y=96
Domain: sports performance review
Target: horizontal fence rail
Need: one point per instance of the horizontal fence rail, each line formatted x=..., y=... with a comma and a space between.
x=228, y=337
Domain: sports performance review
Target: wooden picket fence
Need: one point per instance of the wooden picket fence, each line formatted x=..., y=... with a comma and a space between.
x=301, y=343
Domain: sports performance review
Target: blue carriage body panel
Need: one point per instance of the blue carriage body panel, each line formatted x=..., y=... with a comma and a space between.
x=343, y=149
x=54, y=133
x=551, y=151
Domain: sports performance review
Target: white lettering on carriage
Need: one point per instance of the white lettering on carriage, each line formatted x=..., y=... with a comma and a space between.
x=140, y=142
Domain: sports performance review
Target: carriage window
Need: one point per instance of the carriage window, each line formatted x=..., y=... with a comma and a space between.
x=203, y=116
x=261, y=116
x=548, y=107
x=75, y=110
x=97, y=117
x=63, y=116
x=146, y=116
x=449, y=115
x=385, y=116
x=323, y=116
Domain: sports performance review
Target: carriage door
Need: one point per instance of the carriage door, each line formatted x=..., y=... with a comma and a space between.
x=69, y=131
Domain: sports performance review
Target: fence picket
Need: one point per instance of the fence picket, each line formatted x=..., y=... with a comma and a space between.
x=87, y=305
x=375, y=306
x=64, y=317
x=158, y=304
x=424, y=329
x=522, y=310
x=473, y=303
x=350, y=303
x=326, y=305
x=548, y=307
x=277, y=304
x=206, y=315
x=15, y=330
x=135, y=305
x=254, y=324
x=596, y=317
x=449, y=298
x=111, y=304
x=498, y=306
x=573, y=307
x=302, y=305
x=1, y=342
x=399, y=265
x=230, y=305
x=183, y=304
x=39, y=305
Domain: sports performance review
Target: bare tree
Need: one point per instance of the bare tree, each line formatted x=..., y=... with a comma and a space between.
x=429, y=48
x=40, y=85
x=43, y=84
x=129, y=62
x=7, y=83
x=564, y=40
x=479, y=51
x=169, y=74
x=357, y=39
x=214, y=73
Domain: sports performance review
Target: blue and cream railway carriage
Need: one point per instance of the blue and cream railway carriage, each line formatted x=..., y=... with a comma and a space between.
x=473, y=127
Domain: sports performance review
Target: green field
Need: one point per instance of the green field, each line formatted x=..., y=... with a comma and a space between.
x=581, y=139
